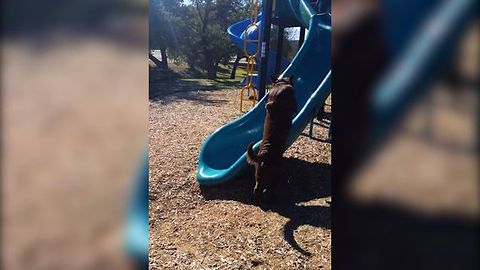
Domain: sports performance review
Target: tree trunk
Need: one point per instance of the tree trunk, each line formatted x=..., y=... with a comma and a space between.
x=164, y=57
x=235, y=65
x=212, y=71
x=155, y=60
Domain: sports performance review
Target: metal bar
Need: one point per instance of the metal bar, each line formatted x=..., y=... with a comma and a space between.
x=302, y=37
x=310, y=132
x=265, y=45
x=278, y=60
x=330, y=132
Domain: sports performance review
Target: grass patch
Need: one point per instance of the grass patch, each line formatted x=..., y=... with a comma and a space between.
x=179, y=78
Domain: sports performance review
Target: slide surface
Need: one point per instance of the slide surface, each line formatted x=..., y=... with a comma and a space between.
x=421, y=52
x=136, y=227
x=223, y=154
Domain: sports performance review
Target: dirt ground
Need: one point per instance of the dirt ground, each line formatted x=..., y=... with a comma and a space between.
x=218, y=227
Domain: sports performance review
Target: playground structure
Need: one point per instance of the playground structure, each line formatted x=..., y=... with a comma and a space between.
x=421, y=47
x=247, y=39
x=311, y=68
x=421, y=53
x=246, y=34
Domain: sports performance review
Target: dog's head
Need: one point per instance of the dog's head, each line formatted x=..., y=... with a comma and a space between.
x=284, y=80
x=282, y=96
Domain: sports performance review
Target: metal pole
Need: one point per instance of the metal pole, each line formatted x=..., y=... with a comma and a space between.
x=265, y=47
x=278, y=60
x=302, y=37
x=310, y=132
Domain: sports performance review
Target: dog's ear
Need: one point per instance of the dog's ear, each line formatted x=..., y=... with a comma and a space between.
x=269, y=106
x=273, y=79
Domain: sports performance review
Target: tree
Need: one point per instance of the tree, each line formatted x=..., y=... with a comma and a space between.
x=205, y=44
x=164, y=19
x=238, y=57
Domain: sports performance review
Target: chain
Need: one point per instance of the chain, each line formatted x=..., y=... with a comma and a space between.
x=254, y=9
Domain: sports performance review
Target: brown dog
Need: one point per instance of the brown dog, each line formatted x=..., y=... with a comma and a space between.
x=281, y=107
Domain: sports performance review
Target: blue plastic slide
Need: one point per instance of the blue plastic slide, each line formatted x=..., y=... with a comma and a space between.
x=136, y=228
x=223, y=154
x=420, y=50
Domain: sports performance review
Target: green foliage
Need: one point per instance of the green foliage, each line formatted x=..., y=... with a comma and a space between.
x=196, y=33
x=164, y=21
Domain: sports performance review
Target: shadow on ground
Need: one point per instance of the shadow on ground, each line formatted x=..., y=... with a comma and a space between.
x=382, y=236
x=305, y=181
x=170, y=86
x=324, y=122
x=428, y=136
x=193, y=90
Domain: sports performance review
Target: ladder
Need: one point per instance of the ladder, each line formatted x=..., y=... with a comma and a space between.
x=249, y=92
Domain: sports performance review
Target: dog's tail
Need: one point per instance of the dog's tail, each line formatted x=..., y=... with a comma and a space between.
x=252, y=158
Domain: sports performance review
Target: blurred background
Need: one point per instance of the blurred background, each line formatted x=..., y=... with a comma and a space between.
x=405, y=142
x=74, y=121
